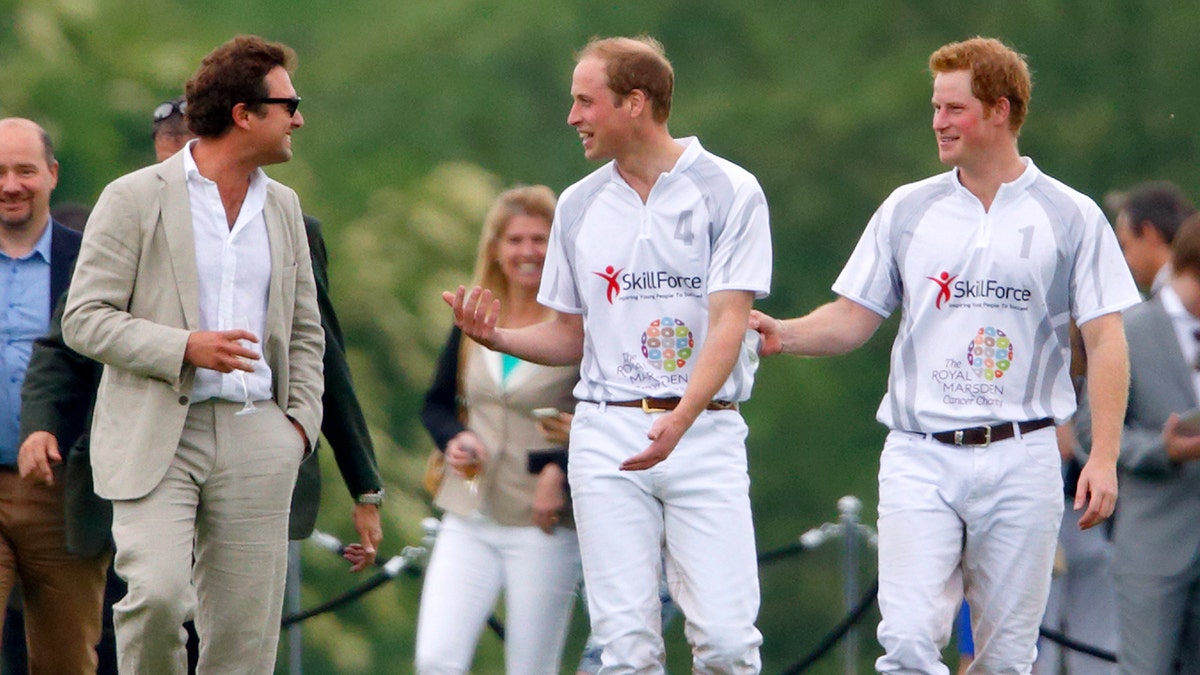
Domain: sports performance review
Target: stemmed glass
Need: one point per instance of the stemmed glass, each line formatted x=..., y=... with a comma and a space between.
x=243, y=323
x=471, y=471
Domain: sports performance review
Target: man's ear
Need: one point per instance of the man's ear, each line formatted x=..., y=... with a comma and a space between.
x=1149, y=230
x=1000, y=110
x=241, y=115
x=638, y=104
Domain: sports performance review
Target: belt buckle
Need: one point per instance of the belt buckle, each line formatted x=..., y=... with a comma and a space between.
x=987, y=438
x=646, y=408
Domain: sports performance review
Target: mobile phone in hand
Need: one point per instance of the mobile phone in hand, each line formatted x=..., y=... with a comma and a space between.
x=545, y=413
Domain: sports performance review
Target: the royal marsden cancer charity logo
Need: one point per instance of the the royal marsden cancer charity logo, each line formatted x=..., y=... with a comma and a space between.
x=667, y=344
x=990, y=353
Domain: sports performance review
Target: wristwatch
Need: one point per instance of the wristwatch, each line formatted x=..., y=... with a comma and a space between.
x=374, y=498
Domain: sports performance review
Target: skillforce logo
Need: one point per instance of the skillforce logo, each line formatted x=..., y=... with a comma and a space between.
x=610, y=275
x=618, y=281
x=988, y=291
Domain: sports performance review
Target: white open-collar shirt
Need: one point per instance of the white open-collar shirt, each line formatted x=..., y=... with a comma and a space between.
x=234, y=270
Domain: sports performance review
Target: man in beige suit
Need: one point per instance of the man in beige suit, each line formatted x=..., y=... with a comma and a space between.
x=195, y=289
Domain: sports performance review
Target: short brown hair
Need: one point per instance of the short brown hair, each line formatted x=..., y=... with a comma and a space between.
x=636, y=63
x=1185, y=250
x=232, y=73
x=997, y=71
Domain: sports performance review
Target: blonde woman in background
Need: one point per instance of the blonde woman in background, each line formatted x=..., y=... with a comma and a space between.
x=507, y=524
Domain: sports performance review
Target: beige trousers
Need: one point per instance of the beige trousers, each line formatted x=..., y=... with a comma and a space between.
x=217, y=520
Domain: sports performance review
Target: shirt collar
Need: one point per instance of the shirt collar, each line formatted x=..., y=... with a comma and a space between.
x=192, y=172
x=1021, y=183
x=1161, y=278
x=42, y=247
x=691, y=150
x=1173, y=306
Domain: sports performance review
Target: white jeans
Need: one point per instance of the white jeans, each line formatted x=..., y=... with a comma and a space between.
x=691, y=511
x=980, y=518
x=472, y=561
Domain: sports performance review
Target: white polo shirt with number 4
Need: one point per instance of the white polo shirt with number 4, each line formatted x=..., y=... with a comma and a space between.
x=640, y=274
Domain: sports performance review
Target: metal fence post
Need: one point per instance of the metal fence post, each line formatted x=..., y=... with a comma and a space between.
x=292, y=606
x=849, y=508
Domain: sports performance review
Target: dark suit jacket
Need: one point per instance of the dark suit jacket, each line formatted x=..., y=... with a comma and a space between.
x=57, y=396
x=60, y=389
x=343, y=424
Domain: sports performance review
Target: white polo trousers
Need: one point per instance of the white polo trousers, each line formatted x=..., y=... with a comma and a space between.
x=472, y=561
x=983, y=518
x=691, y=512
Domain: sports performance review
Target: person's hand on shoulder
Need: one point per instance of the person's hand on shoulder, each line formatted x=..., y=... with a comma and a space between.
x=771, y=331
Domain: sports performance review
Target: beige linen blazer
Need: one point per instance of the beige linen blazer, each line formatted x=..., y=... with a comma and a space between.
x=134, y=300
x=502, y=417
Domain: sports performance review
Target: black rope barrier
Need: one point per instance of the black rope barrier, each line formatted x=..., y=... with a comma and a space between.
x=391, y=569
x=1075, y=645
x=349, y=596
x=781, y=553
x=388, y=570
x=839, y=631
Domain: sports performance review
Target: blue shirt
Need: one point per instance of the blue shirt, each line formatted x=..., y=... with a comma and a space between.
x=24, y=317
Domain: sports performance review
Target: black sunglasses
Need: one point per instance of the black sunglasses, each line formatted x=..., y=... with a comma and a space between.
x=165, y=110
x=291, y=103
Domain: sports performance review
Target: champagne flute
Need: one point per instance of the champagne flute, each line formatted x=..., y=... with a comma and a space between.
x=243, y=323
x=471, y=471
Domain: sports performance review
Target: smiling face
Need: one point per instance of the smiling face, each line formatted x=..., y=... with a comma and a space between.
x=964, y=128
x=521, y=250
x=26, y=178
x=596, y=111
x=273, y=125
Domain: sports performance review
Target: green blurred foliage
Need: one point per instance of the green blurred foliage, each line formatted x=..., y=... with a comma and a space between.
x=418, y=113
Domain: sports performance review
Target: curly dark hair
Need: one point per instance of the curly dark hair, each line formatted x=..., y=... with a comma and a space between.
x=232, y=73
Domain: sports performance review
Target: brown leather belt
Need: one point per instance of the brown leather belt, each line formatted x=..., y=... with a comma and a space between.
x=652, y=405
x=983, y=436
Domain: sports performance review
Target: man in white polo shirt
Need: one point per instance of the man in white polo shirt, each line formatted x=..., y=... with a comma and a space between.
x=988, y=262
x=653, y=262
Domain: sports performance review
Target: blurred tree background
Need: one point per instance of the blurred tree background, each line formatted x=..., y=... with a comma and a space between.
x=417, y=113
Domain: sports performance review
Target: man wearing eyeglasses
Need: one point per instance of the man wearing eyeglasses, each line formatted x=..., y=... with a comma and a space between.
x=196, y=291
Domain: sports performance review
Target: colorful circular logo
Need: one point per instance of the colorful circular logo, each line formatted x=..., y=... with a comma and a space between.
x=990, y=353
x=667, y=344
